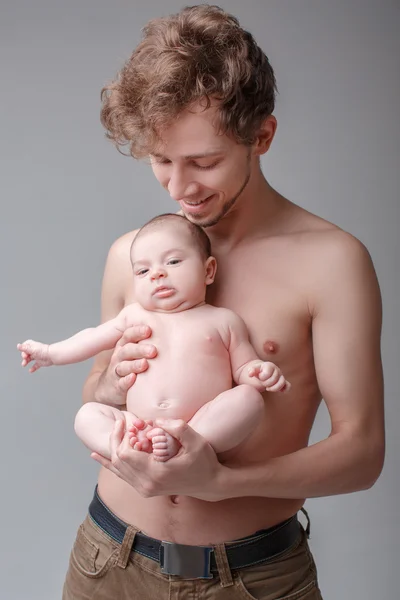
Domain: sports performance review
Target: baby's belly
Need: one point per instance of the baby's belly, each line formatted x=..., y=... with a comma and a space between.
x=177, y=393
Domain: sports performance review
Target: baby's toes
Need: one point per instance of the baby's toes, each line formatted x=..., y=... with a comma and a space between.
x=156, y=431
x=159, y=442
x=161, y=457
x=133, y=441
x=146, y=445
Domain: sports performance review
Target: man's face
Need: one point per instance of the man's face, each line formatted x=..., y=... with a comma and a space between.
x=205, y=172
x=170, y=272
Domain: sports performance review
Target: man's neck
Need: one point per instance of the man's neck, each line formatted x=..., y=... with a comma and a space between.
x=256, y=211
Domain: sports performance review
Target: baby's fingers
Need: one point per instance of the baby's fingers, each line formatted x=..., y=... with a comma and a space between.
x=270, y=376
x=26, y=358
x=280, y=386
x=34, y=367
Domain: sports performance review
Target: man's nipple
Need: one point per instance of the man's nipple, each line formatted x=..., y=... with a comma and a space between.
x=270, y=347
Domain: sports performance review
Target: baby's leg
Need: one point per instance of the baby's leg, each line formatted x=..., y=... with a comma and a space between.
x=229, y=419
x=224, y=422
x=94, y=423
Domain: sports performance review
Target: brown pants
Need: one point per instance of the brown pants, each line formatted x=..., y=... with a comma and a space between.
x=102, y=569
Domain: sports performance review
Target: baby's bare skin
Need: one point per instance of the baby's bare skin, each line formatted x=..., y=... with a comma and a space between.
x=193, y=367
x=202, y=351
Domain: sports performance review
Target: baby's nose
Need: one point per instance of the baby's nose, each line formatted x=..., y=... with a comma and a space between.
x=158, y=274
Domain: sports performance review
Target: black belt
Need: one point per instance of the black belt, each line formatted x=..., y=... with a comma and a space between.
x=199, y=561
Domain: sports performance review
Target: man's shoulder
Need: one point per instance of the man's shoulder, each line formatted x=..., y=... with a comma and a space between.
x=324, y=239
x=338, y=266
x=335, y=245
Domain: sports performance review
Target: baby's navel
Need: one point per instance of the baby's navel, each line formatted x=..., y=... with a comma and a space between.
x=163, y=404
x=270, y=347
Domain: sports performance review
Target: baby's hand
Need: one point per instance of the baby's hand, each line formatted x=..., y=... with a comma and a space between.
x=271, y=376
x=37, y=351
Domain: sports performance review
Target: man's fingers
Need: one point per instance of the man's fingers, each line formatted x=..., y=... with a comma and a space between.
x=104, y=462
x=116, y=437
x=181, y=431
x=127, y=367
x=126, y=382
x=135, y=334
x=131, y=350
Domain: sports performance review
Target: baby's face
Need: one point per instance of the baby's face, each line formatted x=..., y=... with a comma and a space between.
x=170, y=273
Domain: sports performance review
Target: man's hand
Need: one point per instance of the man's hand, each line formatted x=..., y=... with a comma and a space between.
x=194, y=471
x=127, y=361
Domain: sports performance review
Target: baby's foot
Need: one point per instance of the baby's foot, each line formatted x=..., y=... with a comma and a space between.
x=137, y=434
x=164, y=445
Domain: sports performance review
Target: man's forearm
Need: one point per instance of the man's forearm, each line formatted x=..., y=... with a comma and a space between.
x=341, y=464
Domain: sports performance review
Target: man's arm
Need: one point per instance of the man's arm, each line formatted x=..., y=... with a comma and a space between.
x=102, y=384
x=346, y=341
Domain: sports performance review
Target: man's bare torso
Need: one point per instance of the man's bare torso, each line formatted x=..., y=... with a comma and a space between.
x=192, y=366
x=269, y=282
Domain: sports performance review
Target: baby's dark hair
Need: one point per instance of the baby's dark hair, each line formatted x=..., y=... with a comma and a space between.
x=199, y=236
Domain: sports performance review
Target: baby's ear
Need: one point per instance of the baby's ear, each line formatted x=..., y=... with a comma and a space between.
x=211, y=269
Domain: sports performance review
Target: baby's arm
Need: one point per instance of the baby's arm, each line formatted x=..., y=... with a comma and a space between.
x=247, y=368
x=79, y=347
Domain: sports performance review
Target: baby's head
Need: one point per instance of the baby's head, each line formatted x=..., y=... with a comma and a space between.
x=172, y=264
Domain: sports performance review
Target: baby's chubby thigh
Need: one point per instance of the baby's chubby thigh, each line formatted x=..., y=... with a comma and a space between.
x=94, y=423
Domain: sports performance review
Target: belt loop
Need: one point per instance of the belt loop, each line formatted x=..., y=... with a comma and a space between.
x=126, y=547
x=223, y=566
x=308, y=528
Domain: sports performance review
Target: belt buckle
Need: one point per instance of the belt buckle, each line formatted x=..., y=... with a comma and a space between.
x=189, y=562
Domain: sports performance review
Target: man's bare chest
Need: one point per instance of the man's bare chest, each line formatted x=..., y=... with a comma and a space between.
x=271, y=301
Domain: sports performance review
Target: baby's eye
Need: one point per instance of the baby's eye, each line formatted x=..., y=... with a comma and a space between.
x=141, y=272
x=174, y=261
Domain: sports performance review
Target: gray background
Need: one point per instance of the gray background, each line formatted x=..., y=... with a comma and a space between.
x=67, y=194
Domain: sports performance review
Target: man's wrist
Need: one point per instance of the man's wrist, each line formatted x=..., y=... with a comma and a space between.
x=227, y=483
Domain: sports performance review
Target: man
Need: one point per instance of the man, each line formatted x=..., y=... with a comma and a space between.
x=197, y=97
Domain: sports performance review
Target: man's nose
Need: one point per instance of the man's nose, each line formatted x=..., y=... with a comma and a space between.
x=179, y=187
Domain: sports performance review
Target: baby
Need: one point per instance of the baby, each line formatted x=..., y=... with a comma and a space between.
x=201, y=349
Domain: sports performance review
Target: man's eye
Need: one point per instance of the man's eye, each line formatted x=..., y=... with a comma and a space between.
x=205, y=168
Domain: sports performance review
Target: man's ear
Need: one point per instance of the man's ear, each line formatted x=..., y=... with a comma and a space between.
x=265, y=135
x=211, y=269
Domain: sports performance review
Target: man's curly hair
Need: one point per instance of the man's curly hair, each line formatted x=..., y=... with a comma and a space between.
x=199, y=54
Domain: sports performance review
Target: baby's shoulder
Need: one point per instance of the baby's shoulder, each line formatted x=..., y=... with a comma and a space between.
x=134, y=314
x=226, y=318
